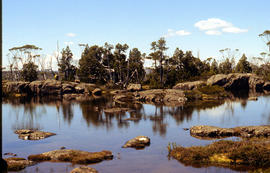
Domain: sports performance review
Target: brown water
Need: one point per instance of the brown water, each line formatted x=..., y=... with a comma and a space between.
x=84, y=126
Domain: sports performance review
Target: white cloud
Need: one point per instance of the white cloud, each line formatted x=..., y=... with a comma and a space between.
x=182, y=32
x=234, y=30
x=211, y=24
x=68, y=42
x=71, y=34
x=213, y=32
x=216, y=26
x=172, y=33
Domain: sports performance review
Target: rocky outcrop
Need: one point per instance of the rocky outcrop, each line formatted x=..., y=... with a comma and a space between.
x=239, y=81
x=17, y=164
x=134, y=87
x=84, y=169
x=26, y=134
x=138, y=142
x=73, y=156
x=49, y=87
x=169, y=97
x=189, y=85
x=242, y=131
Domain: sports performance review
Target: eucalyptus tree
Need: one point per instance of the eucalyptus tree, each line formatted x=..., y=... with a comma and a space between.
x=243, y=66
x=108, y=59
x=21, y=56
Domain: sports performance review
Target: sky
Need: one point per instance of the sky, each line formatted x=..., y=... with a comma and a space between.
x=202, y=26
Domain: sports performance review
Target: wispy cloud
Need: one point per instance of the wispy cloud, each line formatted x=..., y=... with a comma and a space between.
x=216, y=26
x=68, y=43
x=71, y=34
x=213, y=32
x=172, y=33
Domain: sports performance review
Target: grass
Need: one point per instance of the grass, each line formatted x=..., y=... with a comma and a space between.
x=226, y=153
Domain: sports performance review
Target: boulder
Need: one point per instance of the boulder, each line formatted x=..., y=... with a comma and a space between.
x=189, y=85
x=137, y=142
x=17, y=164
x=73, y=156
x=97, y=92
x=122, y=98
x=238, y=81
x=51, y=87
x=134, y=87
x=242, y=131
x=169, y=97
x=26, y=134
x=266, y=86
x=68, y=88
x=15, y=87
x=84, y=169
x=35, y=87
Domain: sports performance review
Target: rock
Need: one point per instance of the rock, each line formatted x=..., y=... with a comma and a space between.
x=73, y=156
x=137, y=142
x=79, y=90
x=62, y=148
x=131, y=119
x=84, y=169
x=186, y=129
x=114, y=92
x=97, y=92
x=253, y=98
x=189, y=85
x=15, y=87
x=242, y=131
x=10, y=154
x=170, y=97
x=77, y=81
x=266, y=86
x=238, y=81
x=17, y=164
x=26, y=134
x=35, y=87
x=116, y=110
x=123, y=98
x=68, y=88
x=51, y=87
x=134, y=87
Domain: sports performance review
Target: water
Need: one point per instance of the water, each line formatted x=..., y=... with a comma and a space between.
x=84, y=126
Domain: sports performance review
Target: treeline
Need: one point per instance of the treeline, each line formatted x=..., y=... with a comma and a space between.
x=115, y=66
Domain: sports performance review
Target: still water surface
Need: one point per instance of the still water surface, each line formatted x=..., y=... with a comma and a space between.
x=84, y=126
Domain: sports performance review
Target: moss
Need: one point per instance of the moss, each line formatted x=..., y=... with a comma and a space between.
x=39, y=157
x=211, y=90
x=226, y=153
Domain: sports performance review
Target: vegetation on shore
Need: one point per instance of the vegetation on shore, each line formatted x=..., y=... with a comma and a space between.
x=111, y=65
x=223, y=153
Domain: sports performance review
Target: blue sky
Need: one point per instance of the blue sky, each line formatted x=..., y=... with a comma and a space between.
x=203, y=26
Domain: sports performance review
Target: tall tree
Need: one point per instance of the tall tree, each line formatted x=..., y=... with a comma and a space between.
x=65, y=65
x=135, y=66
x=159, y=49
x=90, y=67
x=120, y=62
x=108, y=59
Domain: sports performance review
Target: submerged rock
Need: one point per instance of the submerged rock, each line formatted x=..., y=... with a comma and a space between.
x=97, y=92
x=74, y=156
x=242, y=131
x=253, y=98
x=17, y=164
x=84, y=169
x=26, y=134
x=10, y=154
x=116, y=110
x=138, y=142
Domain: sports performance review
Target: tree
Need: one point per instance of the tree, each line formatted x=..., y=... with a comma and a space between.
x=29, y=71
x=135, y=66
x=226, y=67
x=266, y=36
x=22, y=55
x=90, y=67
x=214, y=67
x=108, y=59
x=120, y=62
x=243, y=66
x=159, y=49
x=65, y=65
